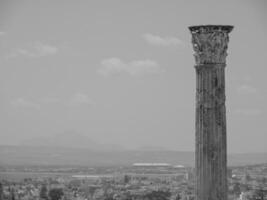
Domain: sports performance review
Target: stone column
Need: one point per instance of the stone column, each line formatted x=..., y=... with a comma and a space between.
x=210, y=45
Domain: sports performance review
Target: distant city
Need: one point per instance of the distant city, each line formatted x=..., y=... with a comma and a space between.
x=139, y=181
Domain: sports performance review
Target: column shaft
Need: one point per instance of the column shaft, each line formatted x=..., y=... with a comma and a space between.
x=210, y=44
x=211, y=166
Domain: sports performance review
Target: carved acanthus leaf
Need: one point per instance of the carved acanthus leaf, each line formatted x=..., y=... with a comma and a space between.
x=210, y=47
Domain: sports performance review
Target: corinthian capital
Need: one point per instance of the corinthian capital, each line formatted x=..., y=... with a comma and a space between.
x=210, y=43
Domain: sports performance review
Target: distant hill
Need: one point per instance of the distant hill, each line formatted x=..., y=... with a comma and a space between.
x=70, y=139
x=51, y=155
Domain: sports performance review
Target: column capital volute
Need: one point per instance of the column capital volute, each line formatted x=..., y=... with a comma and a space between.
x=210, y=43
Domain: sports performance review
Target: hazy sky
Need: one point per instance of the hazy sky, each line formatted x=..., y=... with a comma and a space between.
x=122, y=72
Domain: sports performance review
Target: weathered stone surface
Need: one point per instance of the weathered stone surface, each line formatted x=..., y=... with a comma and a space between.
x=210, y=45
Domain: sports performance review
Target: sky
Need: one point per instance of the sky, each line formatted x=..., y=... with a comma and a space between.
x=122, y=72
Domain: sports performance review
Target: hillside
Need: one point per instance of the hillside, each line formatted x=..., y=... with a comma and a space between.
x=50, y=155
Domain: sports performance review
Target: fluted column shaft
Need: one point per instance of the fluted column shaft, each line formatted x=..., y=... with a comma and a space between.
x=210, y=45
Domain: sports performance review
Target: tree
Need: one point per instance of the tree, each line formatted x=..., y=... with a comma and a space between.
x=43, y=193
x=237, y=189
x=56, y=193
x=178, y=197
x=108, y=198
x=13, y=194
x=247, y=178
x=259, y=194
x=126, y=179
x=1, y=192
x=158, y=195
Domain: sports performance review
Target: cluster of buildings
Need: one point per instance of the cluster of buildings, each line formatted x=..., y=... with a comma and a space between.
x=248, y=182
x=137, y=182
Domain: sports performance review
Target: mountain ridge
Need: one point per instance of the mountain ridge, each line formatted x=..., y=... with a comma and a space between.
x=69, y=139
x=44, y=155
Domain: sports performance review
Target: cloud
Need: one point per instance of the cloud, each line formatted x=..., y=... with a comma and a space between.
x=247, y=89
x=36, y=49
x=248, y=112
x=24, y=103
x=2, y=33
x=79, y=99
x=114, y=65
x=161, y=41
